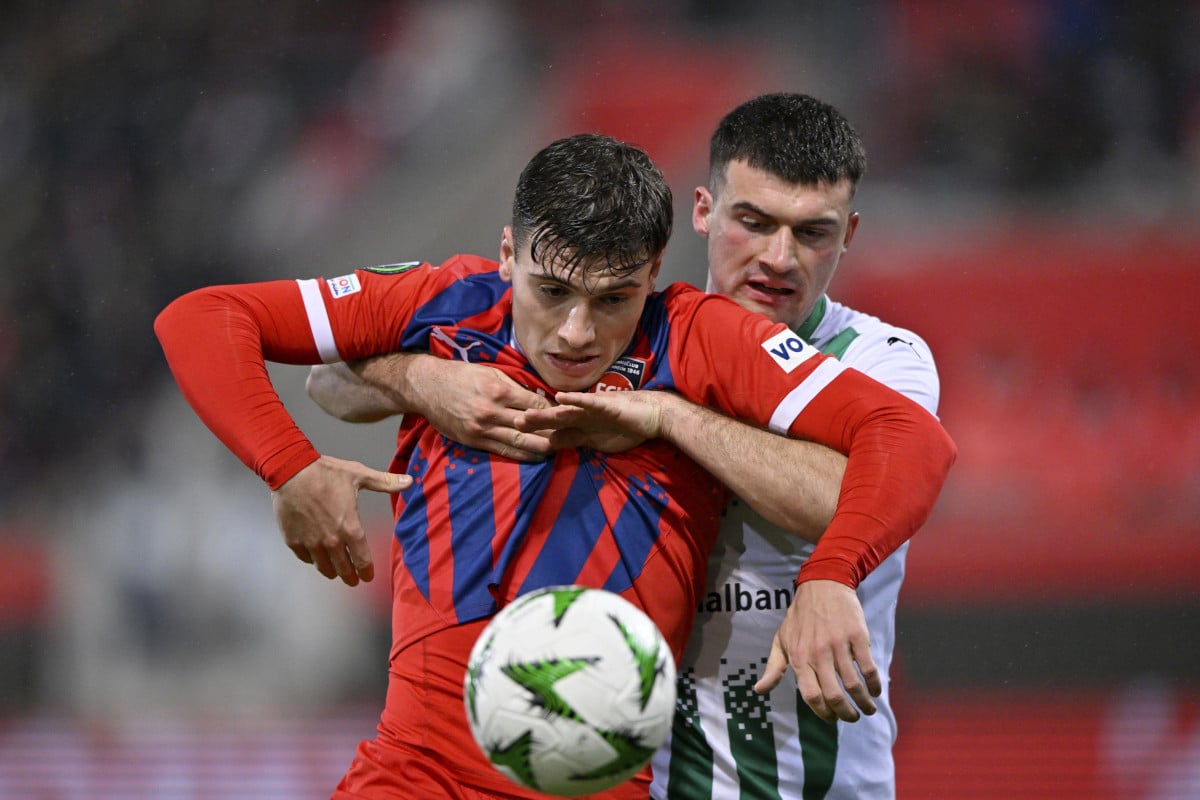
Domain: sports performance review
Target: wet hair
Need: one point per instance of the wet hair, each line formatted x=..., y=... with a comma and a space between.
x=592, y=201
x=792, y=136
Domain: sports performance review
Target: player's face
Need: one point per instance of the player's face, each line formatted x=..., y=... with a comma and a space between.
x=773, y=246
x=572, y=328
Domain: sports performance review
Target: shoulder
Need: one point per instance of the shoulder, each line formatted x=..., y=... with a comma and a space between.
x=683, y=298
x=895, y=356
x=455, y=266
x=872, y=337
x=470, y=264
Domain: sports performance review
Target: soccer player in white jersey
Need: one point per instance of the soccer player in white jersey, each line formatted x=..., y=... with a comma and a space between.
x=777, y=215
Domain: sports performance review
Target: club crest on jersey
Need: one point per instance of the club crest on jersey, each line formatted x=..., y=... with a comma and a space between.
x=393, y=269
x=340, y=287
x=788, y=350
x=624, y=375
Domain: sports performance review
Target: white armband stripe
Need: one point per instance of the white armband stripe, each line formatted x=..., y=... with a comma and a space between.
x=799, y=398
x=318, y=320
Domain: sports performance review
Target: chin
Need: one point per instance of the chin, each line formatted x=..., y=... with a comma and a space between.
x=570, y=383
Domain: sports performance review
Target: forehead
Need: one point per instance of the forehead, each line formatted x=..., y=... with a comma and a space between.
x=588, y=277
x=772, y=194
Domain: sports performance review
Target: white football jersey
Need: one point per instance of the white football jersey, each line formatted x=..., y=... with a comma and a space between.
x=727, y=741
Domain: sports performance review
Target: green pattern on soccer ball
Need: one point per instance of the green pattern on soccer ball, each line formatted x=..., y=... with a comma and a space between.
x=473, y=672
x=564, y=599
x=649, y=659
x=517, y=755
x=539, y=677
x=630, y=753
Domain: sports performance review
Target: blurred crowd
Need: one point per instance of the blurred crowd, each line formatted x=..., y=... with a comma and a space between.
x=141, y=143
x=149, y=148
x=132, y=137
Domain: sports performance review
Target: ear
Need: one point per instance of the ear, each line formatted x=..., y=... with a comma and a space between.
x=654, y=269
x=508, y=254
x=702, y=206
x=851, y=227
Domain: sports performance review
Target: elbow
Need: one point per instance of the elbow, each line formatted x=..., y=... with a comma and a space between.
x=940, y=451
x=317, y=387
x=165, y=322
x=175, y=324
x=339, y=398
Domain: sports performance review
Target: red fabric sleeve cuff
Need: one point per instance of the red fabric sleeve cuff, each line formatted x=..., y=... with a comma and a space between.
x=837, y=569
x=280, y=468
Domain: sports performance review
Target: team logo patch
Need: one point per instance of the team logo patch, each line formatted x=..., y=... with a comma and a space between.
x=788, y=350
x=624, y=375
x=340, y=287
x=393, y=269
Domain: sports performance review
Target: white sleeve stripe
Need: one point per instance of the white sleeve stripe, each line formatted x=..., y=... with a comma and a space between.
x=318, y=320
x=799, y=398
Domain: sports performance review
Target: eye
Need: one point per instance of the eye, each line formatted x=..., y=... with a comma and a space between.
x=551, y=291
x=614, y=300
x=753, y=224
x=806, y=234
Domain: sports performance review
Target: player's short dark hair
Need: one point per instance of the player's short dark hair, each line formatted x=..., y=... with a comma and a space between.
x=792, y=136
x=594, y=201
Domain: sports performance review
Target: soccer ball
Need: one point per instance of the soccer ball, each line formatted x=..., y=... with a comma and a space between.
x=570, y=690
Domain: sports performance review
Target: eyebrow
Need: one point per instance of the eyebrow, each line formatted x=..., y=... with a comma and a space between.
x=744, y=205
x=627, y=283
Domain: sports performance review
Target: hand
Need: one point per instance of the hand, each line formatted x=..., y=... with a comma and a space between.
x=479, y=406
x=317, y=511
x=608, y=421
x=824, y=637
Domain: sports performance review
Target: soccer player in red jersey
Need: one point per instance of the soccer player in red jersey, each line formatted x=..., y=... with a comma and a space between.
x=569, y=308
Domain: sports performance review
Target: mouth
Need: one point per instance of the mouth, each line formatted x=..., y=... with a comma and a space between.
x=770, y=290
x=575, y=365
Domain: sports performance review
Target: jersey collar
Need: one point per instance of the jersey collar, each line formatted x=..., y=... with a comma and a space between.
x=809, y=326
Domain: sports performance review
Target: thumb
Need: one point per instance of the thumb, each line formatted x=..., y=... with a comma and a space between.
x=388, y=482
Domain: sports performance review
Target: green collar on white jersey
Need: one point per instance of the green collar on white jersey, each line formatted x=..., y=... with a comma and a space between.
x=809, y=326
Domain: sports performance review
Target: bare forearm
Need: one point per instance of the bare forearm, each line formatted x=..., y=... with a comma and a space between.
x=365, y=391
x=474, y=404
x=791, y=482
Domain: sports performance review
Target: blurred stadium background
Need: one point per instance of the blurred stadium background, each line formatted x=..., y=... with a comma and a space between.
x=1032, y=208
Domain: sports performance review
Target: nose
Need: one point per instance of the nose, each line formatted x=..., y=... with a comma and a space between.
x=578, y=330
x=779, y=255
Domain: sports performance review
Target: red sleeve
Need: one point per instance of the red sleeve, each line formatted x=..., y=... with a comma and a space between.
x=213, y=339
x=218, y=339
x=898, y=453
x=899, y=456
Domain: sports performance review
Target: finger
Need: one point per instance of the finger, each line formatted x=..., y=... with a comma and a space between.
x=854, y=684
x=524, y=400
x=529, y=446
x=553, y=418
x=517, y=396
x=301, y=552
x=358, y=555
x=810, y=690
x=320, y=559
x=834, y=695
x=341, y=562
x=841, y=707
x=583, y=400
x=870, y=672
x=365, y=571
x=774, y=670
